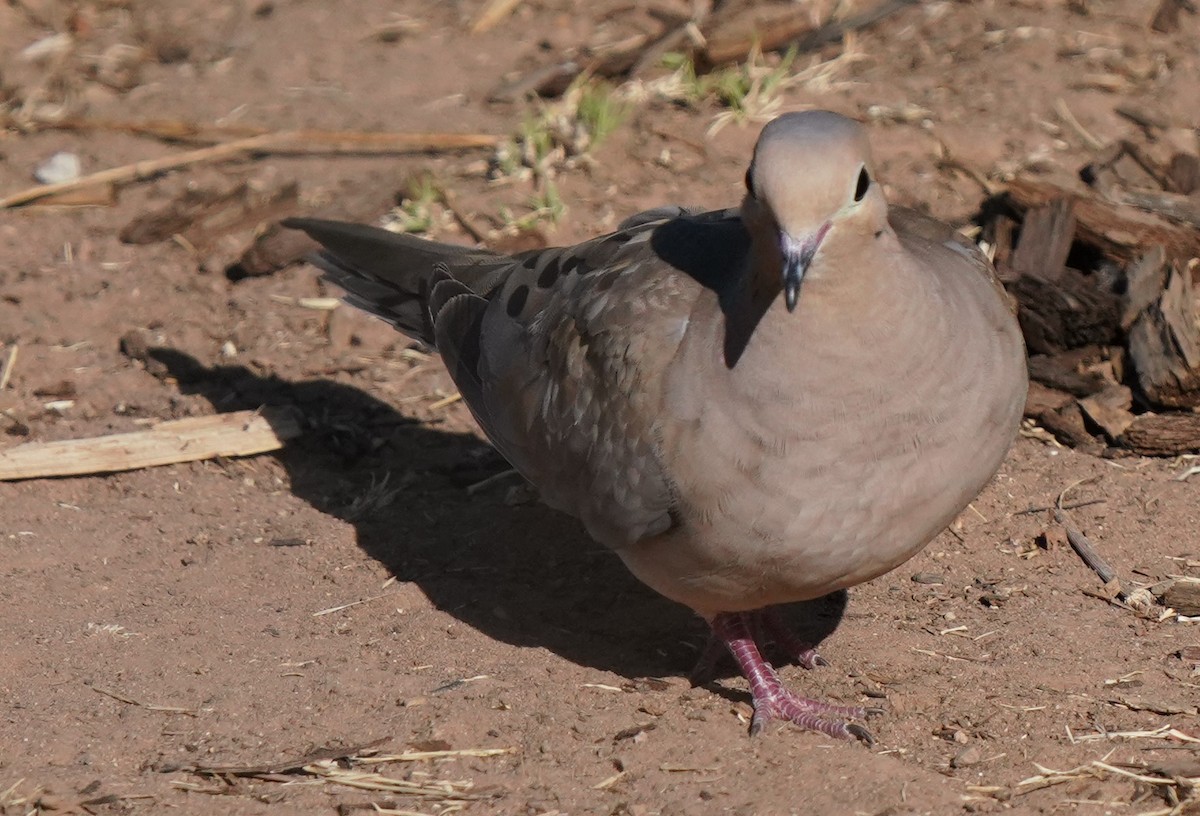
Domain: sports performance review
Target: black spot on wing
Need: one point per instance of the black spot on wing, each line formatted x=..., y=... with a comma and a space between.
x=516, y=301
x=549, y=272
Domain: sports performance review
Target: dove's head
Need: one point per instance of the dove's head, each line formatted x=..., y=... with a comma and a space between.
x=811, y=178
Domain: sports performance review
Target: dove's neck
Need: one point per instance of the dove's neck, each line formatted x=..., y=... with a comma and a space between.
x=849, y=302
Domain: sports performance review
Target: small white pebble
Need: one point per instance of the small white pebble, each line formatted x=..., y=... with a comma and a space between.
x=60, y=167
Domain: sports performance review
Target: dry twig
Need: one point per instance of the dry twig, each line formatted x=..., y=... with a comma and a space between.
x=292, y=142
x=121, y=698
x=492, y=13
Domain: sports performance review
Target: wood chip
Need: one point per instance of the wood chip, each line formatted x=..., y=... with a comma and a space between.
x=1184, y=597
x=1164, y=344
x=1166, y=17
x=1183, y=172
x=1110, y=409
x=1181, y=208
x=201, y=216
x=241, y=433
x=1119, y=231
x=732, y=40
x=1145, y=280
x=1163, y=434
x=1047, y=233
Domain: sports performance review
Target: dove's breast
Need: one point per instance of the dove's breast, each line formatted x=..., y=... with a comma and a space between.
x=840, y=444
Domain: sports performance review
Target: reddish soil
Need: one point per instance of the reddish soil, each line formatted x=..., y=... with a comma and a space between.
x=204, y=587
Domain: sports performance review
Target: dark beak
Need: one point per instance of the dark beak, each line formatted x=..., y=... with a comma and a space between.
x=797, y=256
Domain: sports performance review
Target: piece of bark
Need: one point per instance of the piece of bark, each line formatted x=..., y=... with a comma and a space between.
x=726, y=39
x=1163, y=434
x=781, y=28
x=1166, y=16
x=1175, y=206
x=172, y=219
x=1183, y=171
x=1145, y=280
x=277, y=248
x=1072, y=311
x=202, y=216
x=1125, y=166
x=1045, y=240
x=274, y=249
x=1110, y=409
x=731, y=37
x=1040, y=399
x=1061, y=372
x=254, y=208
x=1068, y=427
x=1001, y=236
x=1142, y=116
x=241, y=433
x=546, y=81
x=1164, y=344
x=1184, y=597
x=1118, y=231
x=652, y=56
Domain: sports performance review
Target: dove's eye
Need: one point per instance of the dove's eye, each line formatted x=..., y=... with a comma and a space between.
x=864, y=182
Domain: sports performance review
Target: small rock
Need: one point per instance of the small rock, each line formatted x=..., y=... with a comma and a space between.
x=967, y=757
x=60, y=167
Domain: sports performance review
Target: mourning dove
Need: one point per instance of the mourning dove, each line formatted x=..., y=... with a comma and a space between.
x=738, y=449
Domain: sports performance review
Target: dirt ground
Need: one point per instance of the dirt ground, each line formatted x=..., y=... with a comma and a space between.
x=350, y=589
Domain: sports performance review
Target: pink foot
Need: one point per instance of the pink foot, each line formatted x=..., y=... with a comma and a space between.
x=764, y=624
x=772, y=700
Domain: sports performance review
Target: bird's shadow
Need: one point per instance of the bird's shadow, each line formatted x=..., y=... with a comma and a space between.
x=524, y=574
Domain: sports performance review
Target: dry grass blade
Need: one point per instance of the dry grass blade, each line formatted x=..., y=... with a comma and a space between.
x=9, y=363
x=335, y=766
x=148, y=706
x=349, y=605
x=1048, y=777
x=281, y=766
x=440, y=790
x=1178, y=788
x=444, y=401
x=421, y=756
x=1165, y=732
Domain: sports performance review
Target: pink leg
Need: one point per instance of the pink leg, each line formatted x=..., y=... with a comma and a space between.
x=803, y=653
x=772, y=700
x=765, y=623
